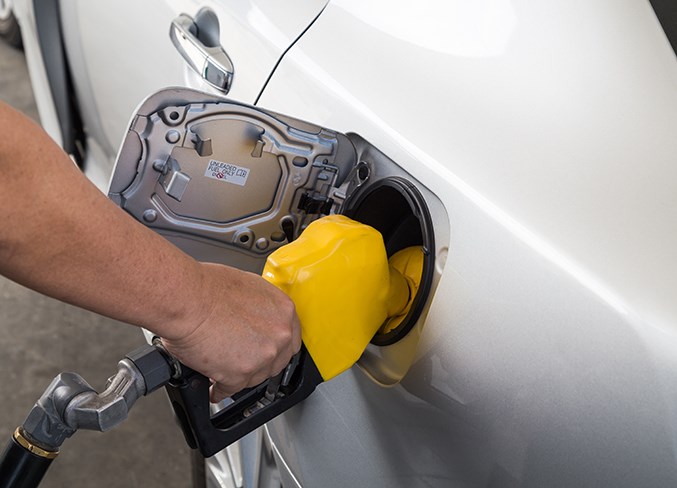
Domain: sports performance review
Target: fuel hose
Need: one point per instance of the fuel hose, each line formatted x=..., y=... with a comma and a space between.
x=23, y=464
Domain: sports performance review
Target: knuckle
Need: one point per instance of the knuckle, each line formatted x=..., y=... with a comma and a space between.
x=248, y=368
x=287, y=308
x=285, y=334
x=269, y=353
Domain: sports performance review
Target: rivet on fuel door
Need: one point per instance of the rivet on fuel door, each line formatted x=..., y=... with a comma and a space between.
x=173, y=136
x=262, y=244
x=150, y=215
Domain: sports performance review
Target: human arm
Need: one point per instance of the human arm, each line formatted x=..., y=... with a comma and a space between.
x=60, y=236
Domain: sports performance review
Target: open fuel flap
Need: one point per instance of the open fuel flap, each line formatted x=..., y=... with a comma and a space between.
x=230, y=183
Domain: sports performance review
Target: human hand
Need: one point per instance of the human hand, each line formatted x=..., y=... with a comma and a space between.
x=246, y=331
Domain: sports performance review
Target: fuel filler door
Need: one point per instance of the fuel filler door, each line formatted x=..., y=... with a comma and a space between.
x=224, y=181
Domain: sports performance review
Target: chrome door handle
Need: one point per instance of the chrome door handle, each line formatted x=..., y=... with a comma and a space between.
x=210, y=61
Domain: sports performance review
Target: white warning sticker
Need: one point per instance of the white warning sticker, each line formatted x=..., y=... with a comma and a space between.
x=227, y=172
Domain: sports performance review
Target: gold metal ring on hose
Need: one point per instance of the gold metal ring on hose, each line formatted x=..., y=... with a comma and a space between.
x=32, y=448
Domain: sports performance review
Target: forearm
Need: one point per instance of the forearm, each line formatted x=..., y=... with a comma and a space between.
x=61, y=236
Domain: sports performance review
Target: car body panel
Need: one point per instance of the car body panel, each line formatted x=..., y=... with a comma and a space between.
x=548, y=354
x=536, y=147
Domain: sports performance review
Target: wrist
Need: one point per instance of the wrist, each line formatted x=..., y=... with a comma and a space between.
x=187, y=311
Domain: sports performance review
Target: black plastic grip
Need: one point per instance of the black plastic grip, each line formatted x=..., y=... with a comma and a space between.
x=20, y=468
x=212, y=433
x=153, y=364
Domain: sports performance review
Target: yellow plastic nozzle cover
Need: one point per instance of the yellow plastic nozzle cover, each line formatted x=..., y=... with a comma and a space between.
x=338, y=276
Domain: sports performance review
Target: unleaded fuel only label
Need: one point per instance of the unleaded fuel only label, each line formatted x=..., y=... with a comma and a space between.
x=227, y=172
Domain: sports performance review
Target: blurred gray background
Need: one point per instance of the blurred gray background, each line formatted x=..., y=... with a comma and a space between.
x=42, y=337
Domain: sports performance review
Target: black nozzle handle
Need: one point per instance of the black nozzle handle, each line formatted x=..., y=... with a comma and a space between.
x=249, y=410
x=23, y=464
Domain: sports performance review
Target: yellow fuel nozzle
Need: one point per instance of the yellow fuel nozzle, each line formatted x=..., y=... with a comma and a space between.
x=338, y=275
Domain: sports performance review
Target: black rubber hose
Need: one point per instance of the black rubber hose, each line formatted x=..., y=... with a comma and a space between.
x=20, y=468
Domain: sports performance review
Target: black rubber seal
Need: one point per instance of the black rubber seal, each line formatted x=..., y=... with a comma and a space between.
x=396, y=208
x=50, y=39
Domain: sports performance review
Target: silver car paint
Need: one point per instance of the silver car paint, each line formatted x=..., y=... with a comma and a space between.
x=548, y=354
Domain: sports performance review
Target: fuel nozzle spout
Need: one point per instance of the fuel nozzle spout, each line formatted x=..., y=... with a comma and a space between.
x=345, y=289
x=406, y=272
